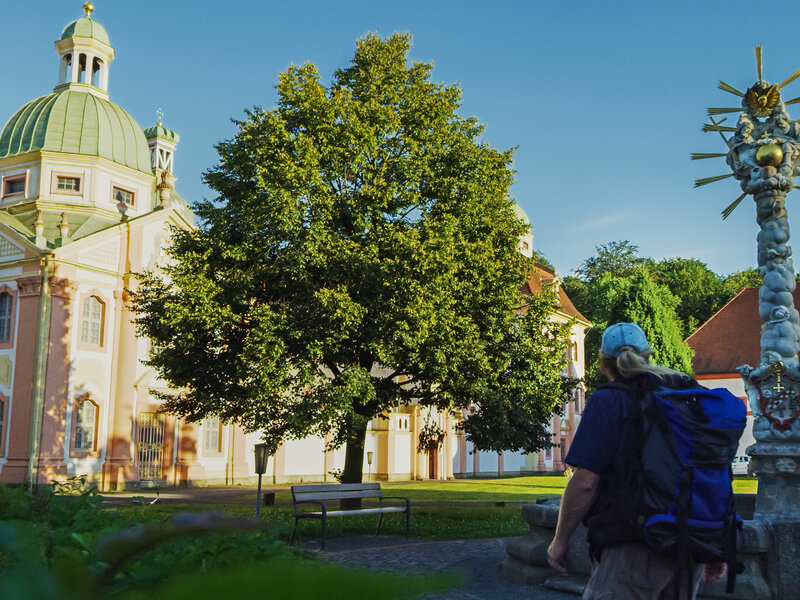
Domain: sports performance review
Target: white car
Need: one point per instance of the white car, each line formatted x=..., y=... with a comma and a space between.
x=739, y=465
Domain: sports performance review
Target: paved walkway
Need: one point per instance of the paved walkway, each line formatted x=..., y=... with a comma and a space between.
x=478, y=561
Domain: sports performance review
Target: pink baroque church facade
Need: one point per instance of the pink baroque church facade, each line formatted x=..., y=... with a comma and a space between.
x=87, y=199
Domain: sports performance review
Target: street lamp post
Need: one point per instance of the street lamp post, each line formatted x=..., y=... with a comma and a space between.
x=369, y=467
x=262, y=454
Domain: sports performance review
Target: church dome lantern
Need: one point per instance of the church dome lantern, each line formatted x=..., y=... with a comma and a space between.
x=78, y=117
x=162, y=143
x=84, y=52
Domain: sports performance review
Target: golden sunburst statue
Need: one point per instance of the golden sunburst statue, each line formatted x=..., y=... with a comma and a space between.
x=763, y=139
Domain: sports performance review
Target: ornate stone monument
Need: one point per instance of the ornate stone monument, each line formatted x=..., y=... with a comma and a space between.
x=764, y=156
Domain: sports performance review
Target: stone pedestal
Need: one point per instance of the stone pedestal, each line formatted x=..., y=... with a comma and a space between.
x=768, y=549
x=776, y=465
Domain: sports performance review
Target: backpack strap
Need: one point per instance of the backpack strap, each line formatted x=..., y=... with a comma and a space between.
x=734, y=567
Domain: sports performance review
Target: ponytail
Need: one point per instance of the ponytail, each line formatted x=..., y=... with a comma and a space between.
x=629, y=364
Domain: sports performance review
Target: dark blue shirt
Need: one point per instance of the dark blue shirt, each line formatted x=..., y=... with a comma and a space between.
x=597, y=439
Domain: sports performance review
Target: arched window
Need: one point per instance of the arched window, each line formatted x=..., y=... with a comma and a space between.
x=92, y=321
x=82, y=69
x=97, y=65
x=85, y=425
x=6, y=307
x=66, y=69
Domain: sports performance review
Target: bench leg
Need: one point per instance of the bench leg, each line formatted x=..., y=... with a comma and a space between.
x=380, y=520
x=291, y=537
x=324, y=526
x=408, y=519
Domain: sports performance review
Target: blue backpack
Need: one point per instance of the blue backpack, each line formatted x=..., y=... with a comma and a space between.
x=674, y=490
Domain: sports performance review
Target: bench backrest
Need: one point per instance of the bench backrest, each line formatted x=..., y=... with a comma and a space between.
x=335, y=491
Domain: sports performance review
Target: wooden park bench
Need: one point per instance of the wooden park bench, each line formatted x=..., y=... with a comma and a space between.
x=321, y=494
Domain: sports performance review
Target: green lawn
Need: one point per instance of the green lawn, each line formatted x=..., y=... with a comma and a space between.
x=511, y=489
x=427, y=522
x=745, y=485
x=440, y=510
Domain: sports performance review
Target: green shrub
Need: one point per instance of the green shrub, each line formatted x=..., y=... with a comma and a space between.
x=67, y=547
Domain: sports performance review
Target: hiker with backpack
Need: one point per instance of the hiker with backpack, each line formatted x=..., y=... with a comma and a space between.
x=652, y=479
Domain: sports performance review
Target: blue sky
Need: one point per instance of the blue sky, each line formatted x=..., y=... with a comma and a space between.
x=603, y=100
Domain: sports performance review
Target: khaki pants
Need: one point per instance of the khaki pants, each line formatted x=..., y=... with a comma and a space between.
x=634, y=572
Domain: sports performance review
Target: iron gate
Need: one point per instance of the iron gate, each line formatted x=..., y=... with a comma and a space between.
x=150, y=450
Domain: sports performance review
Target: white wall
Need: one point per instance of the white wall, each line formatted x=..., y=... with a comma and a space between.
x=305, y=457
x=513, y=461
x=487, y=461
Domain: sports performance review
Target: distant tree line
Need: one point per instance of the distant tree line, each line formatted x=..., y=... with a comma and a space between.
x=669, y=298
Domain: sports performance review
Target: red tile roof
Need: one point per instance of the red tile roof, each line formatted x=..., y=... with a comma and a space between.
x=732, y=337
x=543, y=276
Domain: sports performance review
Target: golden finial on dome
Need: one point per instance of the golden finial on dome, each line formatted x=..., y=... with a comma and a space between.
x=160, y=114
x=88, y=8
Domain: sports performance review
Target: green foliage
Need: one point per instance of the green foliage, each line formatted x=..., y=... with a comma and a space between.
x=516, y=408
x=638, y=299
x=362, y=253
x=698, y=289
x=735, y=282
x=46, y=553
x=290, y=579
x=619, y=259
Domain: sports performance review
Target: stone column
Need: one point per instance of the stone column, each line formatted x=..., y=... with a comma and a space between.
x=76, y=67
x=557, y=458
x=62, y=71
x=103, y=76
x=56, y=395
x=119, y=470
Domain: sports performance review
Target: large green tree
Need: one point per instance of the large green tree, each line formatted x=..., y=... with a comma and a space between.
x=735, y=282
x=614, y=258
x=361, y=254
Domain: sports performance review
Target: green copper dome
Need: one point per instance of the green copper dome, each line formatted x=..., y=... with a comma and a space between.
x=159, y=131
x=521, y=214
x=76, y=122
x=86, y=27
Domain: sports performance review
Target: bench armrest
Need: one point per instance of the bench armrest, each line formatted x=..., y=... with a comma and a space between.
x=322, y=504
x=408, y=503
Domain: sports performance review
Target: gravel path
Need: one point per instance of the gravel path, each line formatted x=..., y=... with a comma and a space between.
x=479, y=561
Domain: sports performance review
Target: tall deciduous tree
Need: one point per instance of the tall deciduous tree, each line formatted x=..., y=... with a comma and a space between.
x=735, y=282
x=698, y=289
x=362, y=254
x=638, y=299
x=615, y=258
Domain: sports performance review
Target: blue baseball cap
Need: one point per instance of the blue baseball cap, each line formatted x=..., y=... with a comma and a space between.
x=616, y=336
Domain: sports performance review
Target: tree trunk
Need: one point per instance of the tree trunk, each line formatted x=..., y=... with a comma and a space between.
x=354, y=458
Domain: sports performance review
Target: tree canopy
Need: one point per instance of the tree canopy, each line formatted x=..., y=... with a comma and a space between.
x=361, y=254
x=637, y=299
x=615, y=258
x=698, y=289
